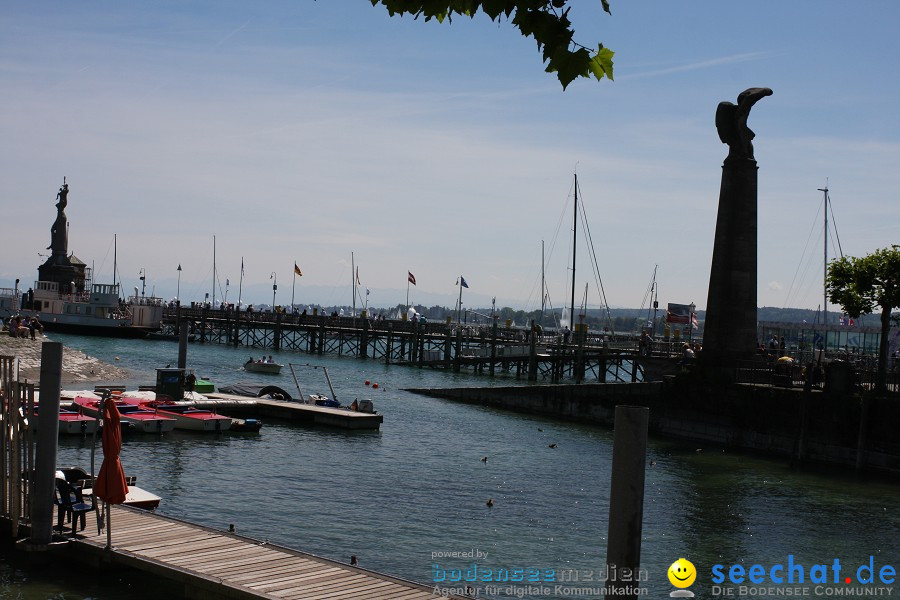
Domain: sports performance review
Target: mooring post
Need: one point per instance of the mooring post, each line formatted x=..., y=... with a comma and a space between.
x=863, y=428
x=493, y=347
x=182, y=345
x=626, y=500
x=45, y=454
x=364, y=339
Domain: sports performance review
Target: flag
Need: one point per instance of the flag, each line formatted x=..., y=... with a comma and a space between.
x=367, y=291
x=297, y=270
x=357, y=276
x=694, y=322
x=462, y=281
x=678, y=313
x=411, y=278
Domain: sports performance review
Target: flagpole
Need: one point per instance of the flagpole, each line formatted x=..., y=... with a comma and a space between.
x=407, y=293
x=459, y=304
x=353, y=281
x=293, y=283
x=240, y=285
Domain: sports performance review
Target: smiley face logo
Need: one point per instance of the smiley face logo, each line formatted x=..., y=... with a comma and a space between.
x=682, y=573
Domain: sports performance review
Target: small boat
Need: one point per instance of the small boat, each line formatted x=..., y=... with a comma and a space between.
x=185, y=416
x=139, y=419
x=71, y=422
x=246, y=425
x=261, y=367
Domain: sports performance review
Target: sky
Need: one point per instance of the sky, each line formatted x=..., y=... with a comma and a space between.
x=329, y=134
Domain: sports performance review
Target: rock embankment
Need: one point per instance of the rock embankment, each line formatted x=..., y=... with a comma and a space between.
x=77, y=366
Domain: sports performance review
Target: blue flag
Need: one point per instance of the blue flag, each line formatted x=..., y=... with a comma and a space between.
x=462, y=281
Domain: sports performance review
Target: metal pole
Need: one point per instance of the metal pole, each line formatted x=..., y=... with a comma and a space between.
x=178, y=293
x=574, y=237
x=825, y=262
x=626, y=499
x=47, y=434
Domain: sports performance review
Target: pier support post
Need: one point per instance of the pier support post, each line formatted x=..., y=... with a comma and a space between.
x=493, y=346
x=364, y=339
x=626, y=499
x=389, y=346
x=458, y=358
x=203, y=312
x=532, y=354
x=276, y=331
x=45, y=455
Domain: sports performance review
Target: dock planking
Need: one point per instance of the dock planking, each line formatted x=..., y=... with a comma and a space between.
x=212, y=563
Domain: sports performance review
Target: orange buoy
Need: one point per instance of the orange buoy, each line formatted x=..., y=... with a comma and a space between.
x=367, y=382
x=375, y=386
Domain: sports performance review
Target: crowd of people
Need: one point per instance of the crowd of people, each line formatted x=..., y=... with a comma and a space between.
x=24, y=327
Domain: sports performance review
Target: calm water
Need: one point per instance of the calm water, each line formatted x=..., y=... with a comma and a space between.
x=419, y=486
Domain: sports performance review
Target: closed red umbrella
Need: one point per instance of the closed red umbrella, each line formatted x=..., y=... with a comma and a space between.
x=111, y=485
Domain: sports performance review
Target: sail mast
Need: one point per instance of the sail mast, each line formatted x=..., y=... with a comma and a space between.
x=353, y=281
x=214, y=272
x=543, y=287
x=825, y=264
x=574, y=237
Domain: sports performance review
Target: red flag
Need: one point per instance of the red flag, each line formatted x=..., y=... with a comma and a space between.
x=297, y=270
x=411, y=278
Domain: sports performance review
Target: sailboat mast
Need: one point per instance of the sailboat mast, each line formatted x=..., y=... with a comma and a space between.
x=825, y=264
x=574, y=237
x=214, y=272
x=353, y=281
x=114, y=259
x=543, y=287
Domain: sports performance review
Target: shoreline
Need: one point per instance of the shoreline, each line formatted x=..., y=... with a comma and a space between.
x=77, y=367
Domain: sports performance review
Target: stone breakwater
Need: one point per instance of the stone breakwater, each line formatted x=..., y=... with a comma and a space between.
x=76, y=365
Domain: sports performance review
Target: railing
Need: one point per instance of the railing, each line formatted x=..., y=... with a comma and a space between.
x=17, y=446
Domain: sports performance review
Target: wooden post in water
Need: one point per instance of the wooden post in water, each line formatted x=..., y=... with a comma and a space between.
x=458, y=358
x=203, y=311
x=626, y=500
x=182, y=345
x=48, y=431
x=321, y=349
x=364, y=338
x=493, y=346
x=389, y=346
x=532, y=354
x=276, y=331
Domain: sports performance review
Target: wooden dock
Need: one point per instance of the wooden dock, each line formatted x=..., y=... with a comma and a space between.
x=218, y=564
x=291, y=411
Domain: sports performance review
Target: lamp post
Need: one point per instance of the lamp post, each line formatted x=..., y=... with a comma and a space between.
x=178, y=293
x=274, y=276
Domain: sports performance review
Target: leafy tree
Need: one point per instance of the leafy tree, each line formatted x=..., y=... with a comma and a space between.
x=547, y=21
x=860, y=285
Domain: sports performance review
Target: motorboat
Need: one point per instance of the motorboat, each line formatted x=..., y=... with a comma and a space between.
x=139, y=419
x=263, y=367
x=71, y=422
x=186, y=417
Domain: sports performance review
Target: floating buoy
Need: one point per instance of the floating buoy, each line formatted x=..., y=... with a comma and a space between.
x=117, y=358
x=374, y=386
x=367, y=382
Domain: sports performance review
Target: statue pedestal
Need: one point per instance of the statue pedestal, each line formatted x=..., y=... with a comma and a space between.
x=730, y=331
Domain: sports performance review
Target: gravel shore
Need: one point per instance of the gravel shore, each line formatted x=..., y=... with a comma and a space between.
x=77, y=366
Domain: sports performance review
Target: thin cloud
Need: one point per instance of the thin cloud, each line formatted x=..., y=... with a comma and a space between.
x=697, y=66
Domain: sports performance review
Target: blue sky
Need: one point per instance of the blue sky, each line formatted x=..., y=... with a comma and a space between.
x=309, y=130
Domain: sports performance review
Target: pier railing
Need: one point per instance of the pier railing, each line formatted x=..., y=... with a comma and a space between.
x=17, y=446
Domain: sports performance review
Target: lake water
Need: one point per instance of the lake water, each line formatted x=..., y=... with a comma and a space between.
x=419, y=486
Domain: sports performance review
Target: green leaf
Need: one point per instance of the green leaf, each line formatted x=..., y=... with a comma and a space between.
x=602, y=64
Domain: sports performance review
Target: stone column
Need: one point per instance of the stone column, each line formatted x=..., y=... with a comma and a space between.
x=730, y=330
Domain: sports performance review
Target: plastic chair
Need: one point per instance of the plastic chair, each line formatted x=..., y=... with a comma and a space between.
x=71, y=504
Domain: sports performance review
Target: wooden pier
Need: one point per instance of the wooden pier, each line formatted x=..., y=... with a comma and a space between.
x=483, y=349
x=291, y=411
x=217, y=564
